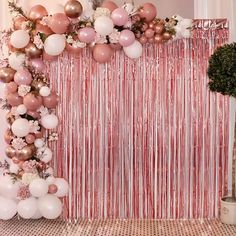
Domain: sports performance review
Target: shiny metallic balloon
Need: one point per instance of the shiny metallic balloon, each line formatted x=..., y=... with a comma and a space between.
x=73, y=9
x=7, y=74
x=26, y=152
x=32, y=51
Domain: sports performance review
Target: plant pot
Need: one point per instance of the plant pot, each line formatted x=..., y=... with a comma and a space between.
x=228, y=210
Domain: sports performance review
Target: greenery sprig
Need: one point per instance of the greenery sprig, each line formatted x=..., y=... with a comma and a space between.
x=14, y=8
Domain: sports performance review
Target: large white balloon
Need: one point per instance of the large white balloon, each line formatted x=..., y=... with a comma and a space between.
x=19, y=39
x=27, y=208
x=38, y=188
x=8, y=208
x=8, y=187
x=20, y=127
x=47, y=154
x=16, y=60
x=62, y=187
x=37, y=214
x=103, y=25
x=49, y=121
x=134, y=51
x=50, y=206
x=55, y=44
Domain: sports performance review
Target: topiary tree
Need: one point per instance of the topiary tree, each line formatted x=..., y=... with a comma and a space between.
x=222, y=74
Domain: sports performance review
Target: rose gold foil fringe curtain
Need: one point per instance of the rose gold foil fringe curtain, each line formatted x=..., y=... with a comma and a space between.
x=143, y=138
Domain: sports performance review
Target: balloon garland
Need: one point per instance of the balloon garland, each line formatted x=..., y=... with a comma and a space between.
x=28, y=186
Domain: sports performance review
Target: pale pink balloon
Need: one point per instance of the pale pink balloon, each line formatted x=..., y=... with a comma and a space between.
x=127, y=37
x=86, y=35
x=11, y=87
x=109, y=5
x=30, y=138
x=149, y=33
x=51, y=101
x=32, y=101
x=119, y=16
x=23, y=77
x=73, y=50
x=148, y=11
x=37, y=12
x=59, y=23
x=48, y=57
x=14, y=99
x=38, y=64
x=102, y=53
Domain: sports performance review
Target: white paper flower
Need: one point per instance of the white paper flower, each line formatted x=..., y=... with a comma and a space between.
x=101, y=11
x=69, y=39
x=18, y=143
x=79, y=44
x=23, y=90
x=38, y=41
x=183, y=27
x=130, y=8
x=114, y=36
x=100, y=39
x=45, y=20
x=53, y=137
x=43, y=111
x=27, y=178
x=34, y=126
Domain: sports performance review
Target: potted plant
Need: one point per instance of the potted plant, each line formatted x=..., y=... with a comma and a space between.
x=222, y=74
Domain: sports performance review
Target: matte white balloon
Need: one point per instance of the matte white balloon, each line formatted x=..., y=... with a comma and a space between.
x=44, y=91
x=19, y=39
x=37, y=214
x=16, y=60
x=39, y=143
x=103, y=25
x=50, y=206
x=49, y=121
x=27, y=208
x=38, y=188
x=55, y=44
x=134, y=51
x=20, y=127
x=8, y=208
x=51, y=180
x=8, y=187
x=47, y=154
x=62, y=187
x=21, y=109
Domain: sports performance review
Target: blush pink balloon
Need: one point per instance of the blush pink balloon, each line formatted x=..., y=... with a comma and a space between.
x=143, y=39
x=149, y=33
x=48, y=57
x=109, y=5
x=127, y=38
x=30, y=138
x=59, y=23
x=37, y=12
x=86, y=35
x=14, y=99
x=73, y=50
x=38, y=64
x=51, y=101
x=32, y=101
x=23, y=77
x=11, y=87
x=102, y=53
x=148, y=11
x=52, y=189
x=119, y=16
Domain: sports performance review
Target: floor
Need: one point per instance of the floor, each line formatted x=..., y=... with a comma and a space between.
x=116, y=228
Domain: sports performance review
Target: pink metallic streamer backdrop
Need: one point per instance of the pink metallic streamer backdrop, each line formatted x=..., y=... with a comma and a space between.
x=143, y=138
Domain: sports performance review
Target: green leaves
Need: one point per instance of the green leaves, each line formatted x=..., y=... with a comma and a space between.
x=222, y=70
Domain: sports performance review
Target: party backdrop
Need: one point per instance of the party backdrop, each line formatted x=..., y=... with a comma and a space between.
x=143, y=138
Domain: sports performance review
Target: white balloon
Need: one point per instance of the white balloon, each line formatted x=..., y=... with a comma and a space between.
x=62, y=187
x=37, y=214
x=20, y=127
x=44, y=91
x=19, y=39
x=38, y=188
x=50, y=206
x=47, y=154
x=8, y=208
x=55, y=44
x=16, y=60
x=49, y=121
x=51, y=180
x=8, y=187
x=103, y=25
x=21, y=109
x=38, y=143
x=27, y=208
x=134, y=51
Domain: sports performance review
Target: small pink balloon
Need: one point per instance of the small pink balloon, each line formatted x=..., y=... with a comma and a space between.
x=37, y=12
x=30, y=138
x=51, y=101
x=148, y=11
x=109, y=5
x=48, y=57
x=11, y=87
x=127, y=37
x=59, y=23
x=52, y=189
x=34, y=114
x=143, y=39
x=14, y=99
x=119, y=16
x=86, y=35
x=102, y=53
x=32, y=101
x=73, y=50
x=23, y=77
x=38, y=64
x=149, y=33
